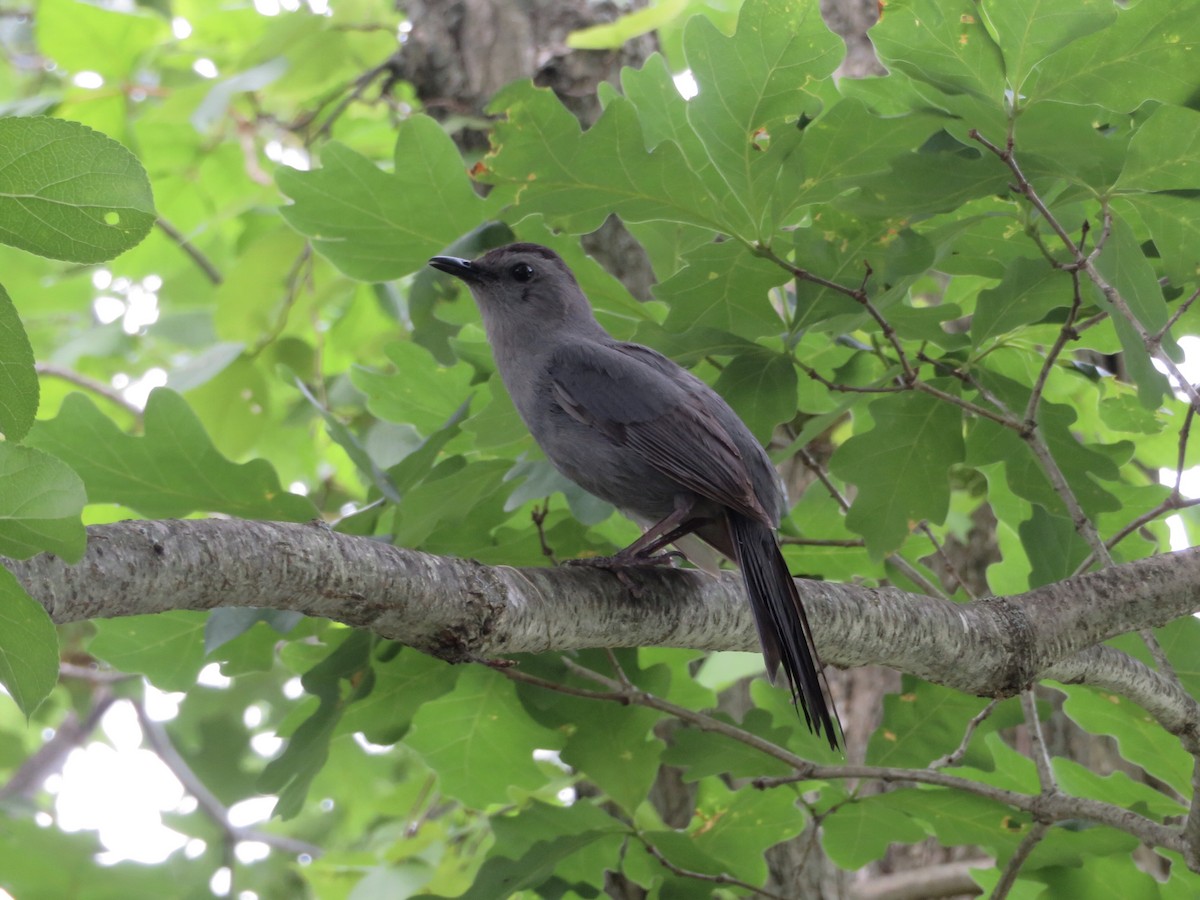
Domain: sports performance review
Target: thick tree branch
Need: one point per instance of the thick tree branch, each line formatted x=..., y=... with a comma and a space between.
x=459, y=609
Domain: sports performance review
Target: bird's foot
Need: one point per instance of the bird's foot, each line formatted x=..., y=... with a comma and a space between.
x=620, y=562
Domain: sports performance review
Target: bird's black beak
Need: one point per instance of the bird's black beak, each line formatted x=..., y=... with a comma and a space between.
x=453, y=265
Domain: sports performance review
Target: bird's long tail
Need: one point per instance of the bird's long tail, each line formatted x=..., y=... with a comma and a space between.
x=782, y=624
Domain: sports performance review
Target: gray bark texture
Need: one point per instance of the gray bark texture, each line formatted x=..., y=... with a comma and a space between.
x=461, y=610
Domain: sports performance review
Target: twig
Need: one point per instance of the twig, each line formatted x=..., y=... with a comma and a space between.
x=1013, y=867
x=941, y=554
x=538, y=515
x=1056, y=807
x=1175, y=316
x=78, y=379
x=358, y=87
x=953, y=758
x=1066, y=333
x=156, y=737
x=211, y=272
x=821, y=542
x=1041, y=759
x=701, y=876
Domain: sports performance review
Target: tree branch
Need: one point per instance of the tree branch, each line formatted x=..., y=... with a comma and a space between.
x=461, y=610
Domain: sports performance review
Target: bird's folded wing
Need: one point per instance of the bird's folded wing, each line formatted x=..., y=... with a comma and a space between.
x=667, y=425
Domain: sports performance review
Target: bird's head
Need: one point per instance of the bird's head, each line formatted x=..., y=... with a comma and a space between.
x=524, y=291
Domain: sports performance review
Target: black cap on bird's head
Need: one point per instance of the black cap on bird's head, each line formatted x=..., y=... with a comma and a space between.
x=520, y=284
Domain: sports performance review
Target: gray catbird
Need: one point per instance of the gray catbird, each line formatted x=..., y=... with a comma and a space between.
x=630, y=426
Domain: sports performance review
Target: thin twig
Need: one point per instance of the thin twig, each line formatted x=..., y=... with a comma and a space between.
x=160, y=743
x=1066, y=333
x=211, y=272
x=1041, y=758
x=78, y=379
x=953, y=758
x=1013, y=867
x=1175, y=316
x=941, y=554
x=701, y=876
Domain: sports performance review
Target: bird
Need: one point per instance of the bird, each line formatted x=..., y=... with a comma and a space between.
x=631, y=426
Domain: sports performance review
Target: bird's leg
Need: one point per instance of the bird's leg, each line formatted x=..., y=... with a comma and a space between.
x=645, y=550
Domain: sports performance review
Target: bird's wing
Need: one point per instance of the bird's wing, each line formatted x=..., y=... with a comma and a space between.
x=656, y=416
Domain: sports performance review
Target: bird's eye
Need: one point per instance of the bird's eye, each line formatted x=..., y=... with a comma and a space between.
x=522, y=272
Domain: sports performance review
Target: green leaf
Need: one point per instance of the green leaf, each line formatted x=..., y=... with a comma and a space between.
x=1139, y=738
x=1164, y=154
x=1054, y=546
x=753, y=86
x=1030, y=30
x=41, y=500
x=724, y=286
x=576, y=180
x=291, y=773
x=943, y=44
x=861, y=832
x=615, y=748
x=419, y=392
x=611, y=35
x=480, y=740
x=1127, y=269
x=168, y=648
x=1147, y=53
x=68, y=192
x=18, y=380
x=1174, y=223
x=28, y=646
x=761, y=387
x=900, y=467
x=377, y=226
x=402, y=686
x=734, y=829
x=172, y=471
x=503, y=877
x=924, y=722
x=1030, y=290
x=86, y=37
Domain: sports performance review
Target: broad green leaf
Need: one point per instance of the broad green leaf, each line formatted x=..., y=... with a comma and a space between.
x=1054, y=546
x=924, y=722
x=69, y=192
x=1147, y=53
x=761, y=387
x=1127, y=269
x=1030, y=290
x=1086, y=145
x=860, y=832
x=1174, y=223
x=168, y=648
x=736, y=828
x=28, y=646
x=86, y=37
x=615, y=748
x=503, y=877
x=577, y=179
x=941, y=43
x=753, y=86
x=900, y=467
x=1083, y=466
x=420, y=392
x=480, y=740
x=402, y=686
x=377, y=226
x=291, y=773
x=1164, y=154
x=1105, y=871
x=41, y=500
x=703, y=753
x=726, y=287
x=18, y=380
x=1030, y=30
x=1139, y=738
x=173, y=470
x=611, y=35
x=849, y=142
x=921, y=184
x=957, y=818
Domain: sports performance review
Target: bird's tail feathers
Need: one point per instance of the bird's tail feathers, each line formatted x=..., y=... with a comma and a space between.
x=782, y=625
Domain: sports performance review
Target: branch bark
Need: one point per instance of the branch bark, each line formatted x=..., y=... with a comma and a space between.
x=460, y=610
